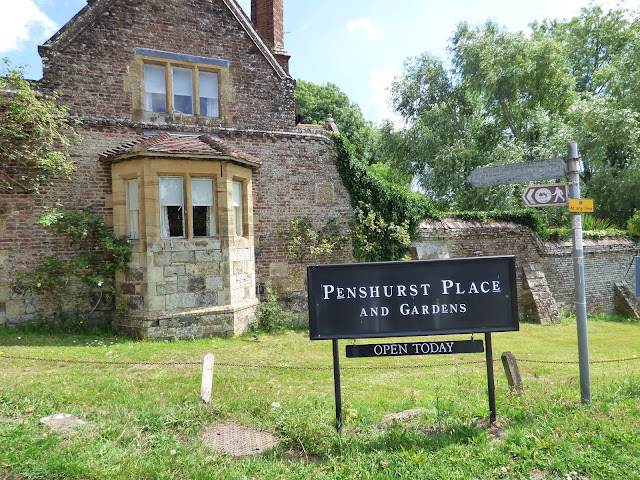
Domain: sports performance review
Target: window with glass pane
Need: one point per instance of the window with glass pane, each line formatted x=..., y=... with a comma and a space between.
x=171, y=207
x=208, y=82
x=237, y=208
x=155, y=89
x=203, y=207
x=133, y=225
x=183, y=90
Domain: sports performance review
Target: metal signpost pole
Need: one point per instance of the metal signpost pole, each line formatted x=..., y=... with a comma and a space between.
x=573, y=164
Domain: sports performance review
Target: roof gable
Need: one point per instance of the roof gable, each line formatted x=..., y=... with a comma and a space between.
x=94, y=8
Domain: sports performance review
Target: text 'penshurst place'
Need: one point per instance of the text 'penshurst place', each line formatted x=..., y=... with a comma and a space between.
x=446, y=288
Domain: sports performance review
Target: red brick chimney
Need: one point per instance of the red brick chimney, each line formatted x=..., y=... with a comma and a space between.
x=268, y=18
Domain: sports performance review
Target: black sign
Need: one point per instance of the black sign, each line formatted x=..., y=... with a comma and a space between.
x=437, y=347
x=417, y=298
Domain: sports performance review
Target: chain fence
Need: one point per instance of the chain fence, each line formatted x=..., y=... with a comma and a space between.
x=302, y=367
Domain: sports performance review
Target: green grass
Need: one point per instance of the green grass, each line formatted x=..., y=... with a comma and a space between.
x=144, y=420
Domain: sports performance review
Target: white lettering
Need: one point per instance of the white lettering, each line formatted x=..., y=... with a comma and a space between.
x=458, y=291
x=446, y=286
x=496, y=286
x=485, y=289
x=413, y=290
x=463, y=308
x=375, y=292
x=388, y=293
x=328, y=289
x=435, y=309
x=402, y=291
x=340, y=293
x=403, y=349
x=384, y=311
x=377, y=349
x=445, y=308
x=425, y=309
x=425, y=289
x=404, y=309
x=351, y=292
x=362, y=292
x=363, y=313
x=473, y=288
x=450, y=345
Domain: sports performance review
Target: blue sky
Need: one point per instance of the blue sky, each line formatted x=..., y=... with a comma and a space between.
x=359, y=45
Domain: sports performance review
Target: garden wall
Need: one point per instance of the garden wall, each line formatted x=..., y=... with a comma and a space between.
x=606, y=260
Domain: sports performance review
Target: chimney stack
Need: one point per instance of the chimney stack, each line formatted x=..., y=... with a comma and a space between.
x=268, y=18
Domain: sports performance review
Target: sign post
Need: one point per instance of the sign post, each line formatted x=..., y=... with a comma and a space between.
x=549, y=169
x=573, y=164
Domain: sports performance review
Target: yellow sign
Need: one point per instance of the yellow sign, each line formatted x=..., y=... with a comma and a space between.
x=580, y=205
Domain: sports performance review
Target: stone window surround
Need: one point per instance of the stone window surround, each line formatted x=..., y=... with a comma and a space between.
x=135, y=84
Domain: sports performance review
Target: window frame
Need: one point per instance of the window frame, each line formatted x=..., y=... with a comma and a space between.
x=164, y=220
x=196, y=69
x=132, y=219
x=238, y=210
x=212, y=215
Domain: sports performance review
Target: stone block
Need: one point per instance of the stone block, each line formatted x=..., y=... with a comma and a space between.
x=206, y=299
x=208, y=256
x=156, y=274
x=214, y=284
x=167, y=288
x=162, y=259
x=177, y=270
x=180, y=301
x=183, y=257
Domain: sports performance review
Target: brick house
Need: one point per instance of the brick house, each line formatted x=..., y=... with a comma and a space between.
x=190, y=147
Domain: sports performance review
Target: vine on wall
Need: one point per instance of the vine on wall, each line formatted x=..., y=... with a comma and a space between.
x=86, y=273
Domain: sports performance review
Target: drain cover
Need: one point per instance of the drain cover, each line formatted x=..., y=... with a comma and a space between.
x=238, y=440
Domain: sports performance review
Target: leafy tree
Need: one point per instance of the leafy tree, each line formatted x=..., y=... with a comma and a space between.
x=34, y=135
x=510, y=98
x=317, y=102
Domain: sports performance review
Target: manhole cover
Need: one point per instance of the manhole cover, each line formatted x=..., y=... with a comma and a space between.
x=238, y=440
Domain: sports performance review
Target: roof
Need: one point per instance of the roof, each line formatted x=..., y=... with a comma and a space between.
x=165, y=144
x=94, y=8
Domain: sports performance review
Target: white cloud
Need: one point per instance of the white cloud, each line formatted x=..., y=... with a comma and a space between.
x=378, y=107
x=21, y=22
x=363, y=28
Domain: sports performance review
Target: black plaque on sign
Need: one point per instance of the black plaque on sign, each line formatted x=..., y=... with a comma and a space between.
x=438, y=347
x=417, y=298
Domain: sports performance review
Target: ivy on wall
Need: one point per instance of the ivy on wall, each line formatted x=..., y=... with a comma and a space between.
x=385, y=209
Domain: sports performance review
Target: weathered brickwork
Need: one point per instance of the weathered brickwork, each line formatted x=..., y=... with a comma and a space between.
x=92, y=72
x=606, y=261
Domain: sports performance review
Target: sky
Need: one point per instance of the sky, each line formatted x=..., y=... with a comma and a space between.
x=358, y=45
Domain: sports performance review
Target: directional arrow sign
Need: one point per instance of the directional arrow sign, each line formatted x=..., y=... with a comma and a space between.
x=546, y=195
x=546, y=169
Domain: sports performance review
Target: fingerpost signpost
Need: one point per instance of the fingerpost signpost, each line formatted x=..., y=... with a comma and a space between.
x=415, y=298
x=542, y=196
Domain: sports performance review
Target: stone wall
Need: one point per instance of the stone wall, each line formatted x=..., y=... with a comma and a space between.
x=606, y=261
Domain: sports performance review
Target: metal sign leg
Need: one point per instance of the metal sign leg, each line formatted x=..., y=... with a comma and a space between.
x=336, y=382
x=490, y=380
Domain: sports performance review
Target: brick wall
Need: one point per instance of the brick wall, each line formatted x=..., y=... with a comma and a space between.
x=92, y=73
x=606, y=261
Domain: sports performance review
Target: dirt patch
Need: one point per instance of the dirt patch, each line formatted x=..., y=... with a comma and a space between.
x=496, y=430
x=238, y=440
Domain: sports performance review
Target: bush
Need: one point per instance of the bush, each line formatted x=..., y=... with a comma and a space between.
x=270, y=317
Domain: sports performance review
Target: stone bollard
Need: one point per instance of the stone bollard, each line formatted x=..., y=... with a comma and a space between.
x=512, y=372
x=207, y=378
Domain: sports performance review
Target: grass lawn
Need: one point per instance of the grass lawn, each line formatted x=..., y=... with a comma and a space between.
x=145, y=421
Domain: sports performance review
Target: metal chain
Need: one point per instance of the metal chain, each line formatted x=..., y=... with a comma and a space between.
x=289, y=367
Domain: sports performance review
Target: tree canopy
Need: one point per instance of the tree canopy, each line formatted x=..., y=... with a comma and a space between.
x=34, y=135
x=508, y=98
x=317, y=102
